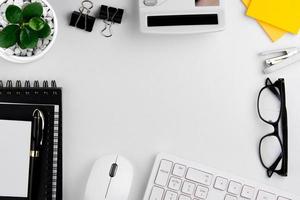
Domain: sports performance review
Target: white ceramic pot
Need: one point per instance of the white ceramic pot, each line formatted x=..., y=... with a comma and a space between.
x=27, y=59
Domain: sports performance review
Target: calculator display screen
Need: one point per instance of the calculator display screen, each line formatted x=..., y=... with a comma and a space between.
x=207, y=2
x=182, y=20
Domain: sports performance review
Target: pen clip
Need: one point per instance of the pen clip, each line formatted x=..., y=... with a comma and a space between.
x=40, y=115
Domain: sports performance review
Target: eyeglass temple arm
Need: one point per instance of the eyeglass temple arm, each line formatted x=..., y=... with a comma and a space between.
x=271, y=170
x=273, y=90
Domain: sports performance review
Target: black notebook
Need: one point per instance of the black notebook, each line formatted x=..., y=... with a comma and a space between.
x=17, y=104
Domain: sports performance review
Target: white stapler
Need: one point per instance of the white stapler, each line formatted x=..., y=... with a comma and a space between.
x=283, y=58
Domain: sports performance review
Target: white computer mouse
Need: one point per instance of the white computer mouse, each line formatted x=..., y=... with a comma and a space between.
x=110, y=179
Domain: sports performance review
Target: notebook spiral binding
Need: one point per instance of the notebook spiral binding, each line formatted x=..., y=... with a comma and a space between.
x=36, y=84
x=18, y=87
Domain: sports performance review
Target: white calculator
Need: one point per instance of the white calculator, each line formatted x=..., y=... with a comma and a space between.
x=181, y=16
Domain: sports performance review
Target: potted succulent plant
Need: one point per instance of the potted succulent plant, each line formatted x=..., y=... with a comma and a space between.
x=27, y=31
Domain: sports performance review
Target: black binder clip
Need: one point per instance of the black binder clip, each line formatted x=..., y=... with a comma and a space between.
x=110, y=15
x=82, y=19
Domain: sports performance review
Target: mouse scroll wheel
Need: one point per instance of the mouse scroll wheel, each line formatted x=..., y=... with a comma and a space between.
x=113, y=170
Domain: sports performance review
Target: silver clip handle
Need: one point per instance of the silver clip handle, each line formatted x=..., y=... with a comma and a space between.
x=273, y=61
x=283, y=63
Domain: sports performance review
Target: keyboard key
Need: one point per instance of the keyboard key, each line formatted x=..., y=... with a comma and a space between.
x=179, y=170
x=201, y=192
x=183, y=197
x=163, y=173
x=283, y=198
x=263, y=195
x=175, y=183
x=170, y=195
x=229, y=197
x=199, y=176
x=157, y=193
x=221, y=183
x=234, y=188
x=188, y=188
x=248, y=192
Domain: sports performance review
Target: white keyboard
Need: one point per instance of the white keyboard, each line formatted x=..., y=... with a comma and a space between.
x=173, y=178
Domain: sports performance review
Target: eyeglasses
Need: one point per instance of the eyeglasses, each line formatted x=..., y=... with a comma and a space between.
x=273, y=147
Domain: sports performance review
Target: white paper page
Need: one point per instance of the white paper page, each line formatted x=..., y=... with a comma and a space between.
x=14, y=157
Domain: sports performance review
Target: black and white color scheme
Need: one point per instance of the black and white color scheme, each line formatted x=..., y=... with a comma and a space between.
x=17, y=102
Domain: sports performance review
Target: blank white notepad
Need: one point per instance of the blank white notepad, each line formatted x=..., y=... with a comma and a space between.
x=14, y=157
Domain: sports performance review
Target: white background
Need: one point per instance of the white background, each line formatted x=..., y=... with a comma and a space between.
x=190, y=95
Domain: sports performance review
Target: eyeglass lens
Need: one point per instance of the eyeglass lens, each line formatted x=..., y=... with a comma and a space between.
x=270, y=151
x=269, y=104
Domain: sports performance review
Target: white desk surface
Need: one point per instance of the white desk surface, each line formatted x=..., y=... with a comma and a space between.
x=191, y=95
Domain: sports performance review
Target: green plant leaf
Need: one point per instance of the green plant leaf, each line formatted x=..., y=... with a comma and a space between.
x=36, y=23
x=21, y=45
x=9, y=36
x=45, y=32
x=32, y=10
x=13, y=14
x=28, y=38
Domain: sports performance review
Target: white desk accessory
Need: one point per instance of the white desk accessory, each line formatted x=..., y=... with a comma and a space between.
x=181, y=16
x=110, y=179
x=286, y=57
x=173, y=178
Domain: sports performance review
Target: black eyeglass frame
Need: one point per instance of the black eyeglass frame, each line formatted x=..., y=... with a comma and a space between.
x=278, y=89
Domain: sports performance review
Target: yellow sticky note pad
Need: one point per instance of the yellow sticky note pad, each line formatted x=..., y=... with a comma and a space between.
x=273, y=32
x=283, y=14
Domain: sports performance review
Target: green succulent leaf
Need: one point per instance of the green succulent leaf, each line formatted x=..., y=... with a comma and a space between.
x=28, y=38
x=45, y=32
x=13, y=14
x=32, y=10
x=36, y=23
x=9, y=36
x=21, y=45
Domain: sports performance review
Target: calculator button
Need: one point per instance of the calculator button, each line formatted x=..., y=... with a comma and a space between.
x=201, y=192
x=157, y=193
x=199, y=176
x=188, y=188
x=182, y=197
x=170, y=195
x=175, y=183
x=234, y=188
x=163, y=173
x=179, y=170
x=229, y=197
x=263, y=195
x=221, y=183
x=150, y=2
x=248, y=192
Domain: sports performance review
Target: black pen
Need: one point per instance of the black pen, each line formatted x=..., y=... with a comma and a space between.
x=35, y=148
